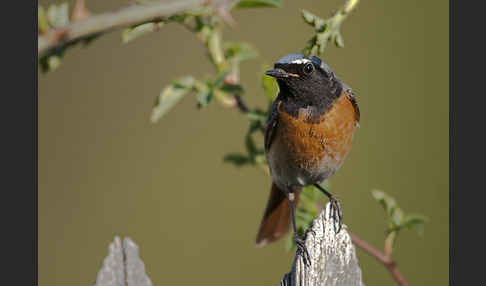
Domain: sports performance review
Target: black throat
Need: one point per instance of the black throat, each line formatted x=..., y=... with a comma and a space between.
x=316, y=97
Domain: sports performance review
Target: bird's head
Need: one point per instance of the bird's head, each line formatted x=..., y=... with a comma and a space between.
x=308, y=80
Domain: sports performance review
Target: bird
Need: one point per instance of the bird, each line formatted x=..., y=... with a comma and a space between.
x=308, y=133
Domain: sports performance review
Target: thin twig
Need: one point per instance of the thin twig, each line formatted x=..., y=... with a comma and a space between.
x=109, y=21
x=381, y=257
x=241, y=104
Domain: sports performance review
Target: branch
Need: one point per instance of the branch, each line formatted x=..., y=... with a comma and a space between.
x=110, y=21
x=332, y=255
x=238, y=101
x=384, y=259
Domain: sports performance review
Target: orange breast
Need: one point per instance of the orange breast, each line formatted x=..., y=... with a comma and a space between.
x=318, y=146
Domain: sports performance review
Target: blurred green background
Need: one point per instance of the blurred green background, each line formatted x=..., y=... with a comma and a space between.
x=104, y=170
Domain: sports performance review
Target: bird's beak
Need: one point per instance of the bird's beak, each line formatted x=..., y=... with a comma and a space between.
x=280, y=73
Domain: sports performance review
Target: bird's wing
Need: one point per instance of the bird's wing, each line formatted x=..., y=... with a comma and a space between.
x=271, y=124
x=350, y=94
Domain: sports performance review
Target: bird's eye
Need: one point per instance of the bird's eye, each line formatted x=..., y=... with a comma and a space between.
x=308, y=68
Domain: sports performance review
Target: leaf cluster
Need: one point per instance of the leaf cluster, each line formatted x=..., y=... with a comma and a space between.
x=206, y=22
x=56, y=17
x=397, y=218
x=254, y=154
x=326, y=30
x=202, y=20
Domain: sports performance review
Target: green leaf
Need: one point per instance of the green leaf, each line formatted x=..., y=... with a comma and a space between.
x=219, y=79
x=308, y=17
x=256, y=115
x=204, y=94
x=388, y=203
x=397, y=218
x=338, y=40
x=215, y=48
x=416, y=222
x=58, y=15
x=270, y=86
x=204, y=31
x=203, y=98
x=43, y=22
x=129, y=34
x=255, y=155
x=237, y=159
x=254, y=127
x=51, y=60
x=313, y=20
x=260, y=159
x=250, y=146
x=170, y=96
x=233, y=88
x=238, y=52
x=50, y=63
x=258, y=3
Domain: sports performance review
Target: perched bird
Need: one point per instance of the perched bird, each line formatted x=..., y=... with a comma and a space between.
x=308, y=134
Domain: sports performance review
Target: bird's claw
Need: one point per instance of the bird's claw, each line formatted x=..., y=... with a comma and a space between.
x=336, y=214
x=311, y=230
x=302, y=250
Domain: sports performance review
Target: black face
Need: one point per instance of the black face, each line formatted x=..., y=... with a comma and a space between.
x=306, y=82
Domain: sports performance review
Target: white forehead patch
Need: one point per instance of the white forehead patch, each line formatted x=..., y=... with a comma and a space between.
x=300, y=61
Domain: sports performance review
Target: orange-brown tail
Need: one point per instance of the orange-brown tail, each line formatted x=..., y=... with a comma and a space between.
x=276, y=219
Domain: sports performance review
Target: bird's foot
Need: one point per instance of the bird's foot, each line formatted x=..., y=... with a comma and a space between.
x=302, y=250
x=336, y=214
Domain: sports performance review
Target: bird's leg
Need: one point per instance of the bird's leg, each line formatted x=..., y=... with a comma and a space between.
x=299, y=242
x=335, y=211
